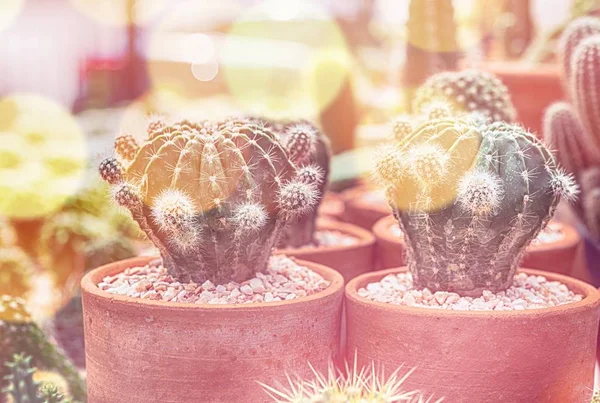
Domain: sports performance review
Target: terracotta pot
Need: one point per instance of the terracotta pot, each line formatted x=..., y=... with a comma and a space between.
x=349, y=260
x=332, y=206
x=361, y=211
x=148, y=351
x=556, y=257
x=389, y=246
x=538, y=355
x=532, y=88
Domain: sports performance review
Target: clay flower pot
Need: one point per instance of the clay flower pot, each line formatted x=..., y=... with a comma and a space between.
x=363, y=207
x=532, y=89
x=332, y=206
x=349, y=260
x=536, y=355
x=139, y=350
x=558, y=256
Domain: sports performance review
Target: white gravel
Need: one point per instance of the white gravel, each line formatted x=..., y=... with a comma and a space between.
x=284, y=280
x=527, y=292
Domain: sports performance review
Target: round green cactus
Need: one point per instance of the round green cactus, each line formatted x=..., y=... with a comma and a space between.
x=469, y=200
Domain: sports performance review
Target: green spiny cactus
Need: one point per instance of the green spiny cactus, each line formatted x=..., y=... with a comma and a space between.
x=20, y=334
x=571, y=38
x=214, y=198
x=469, y=201
x=314, y=167
x=573, y=147
x=432, y=44
x=585, y=74
x=23, y=387
x=467, y=91
x=367, y=385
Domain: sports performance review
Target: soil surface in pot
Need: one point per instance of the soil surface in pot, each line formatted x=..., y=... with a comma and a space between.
x=326, y=238
x=283, y=280
x=527, y=292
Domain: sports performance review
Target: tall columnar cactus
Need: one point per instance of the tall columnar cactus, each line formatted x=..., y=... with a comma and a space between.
x=585, y=84
x=467, y=91
x=432, y=44
x=213, y=197
x=19, y=334
x=579, y=30
x=573, y=147
x=24, y=388
x=470, y=200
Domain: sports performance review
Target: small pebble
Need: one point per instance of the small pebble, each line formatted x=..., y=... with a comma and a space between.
x=527, y=292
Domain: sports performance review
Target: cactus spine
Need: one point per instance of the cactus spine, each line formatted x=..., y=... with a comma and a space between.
x=431, y=43
x=213, y=197
x=469, y=201
x=572, y=37
x=19, y=334
x=467, y=91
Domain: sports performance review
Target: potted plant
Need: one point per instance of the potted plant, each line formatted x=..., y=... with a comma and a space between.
x=364, y=205
x=469, y=199
x=554, y=250
x=344, y=247
x=216, y=313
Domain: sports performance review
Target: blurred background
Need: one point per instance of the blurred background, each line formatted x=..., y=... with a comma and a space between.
x=74, y=74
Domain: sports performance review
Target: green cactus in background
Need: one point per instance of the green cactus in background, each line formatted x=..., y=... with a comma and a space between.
x=19, y=334
x=469, y=201
x=465, y=92
x=432, y=44
x=214, y=198
x=23, y=388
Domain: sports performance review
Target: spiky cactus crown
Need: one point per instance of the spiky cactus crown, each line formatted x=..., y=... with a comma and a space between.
x=213, y=197
x=467, y=91
x=470, y=200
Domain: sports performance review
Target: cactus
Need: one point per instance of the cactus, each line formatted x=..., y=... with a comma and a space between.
x=575, y=150
x=214, y=198
x=585, y=71
x=572, y=37
x=20, y=334
x=467, y=91
x=470, y=200
x=352, y=386
x=431, y=43
x=23, y=387
x=519, y=34
x=313, y=167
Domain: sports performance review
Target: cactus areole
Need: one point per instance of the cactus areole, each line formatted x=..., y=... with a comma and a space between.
x=469, y=199
x=214, y=197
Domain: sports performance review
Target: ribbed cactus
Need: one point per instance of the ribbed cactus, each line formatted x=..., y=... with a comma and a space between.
x=467, y=91
x=19, y=334
x=573, y=147
x=571, y=38
x=313, y=168
x=469, y=201
x=432, y=44
x=585, y=84
x=24, y=388
x=213, y=197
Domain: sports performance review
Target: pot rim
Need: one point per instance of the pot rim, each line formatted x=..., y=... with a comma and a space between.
x=351, y=197
x=590, y=300
x=570, y=240
x=365, y=239
x=89, y=285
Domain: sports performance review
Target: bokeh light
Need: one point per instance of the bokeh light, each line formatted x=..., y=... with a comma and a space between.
x=43, y=156
x=119, y=12
x=285, y=60
x=9, y=10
